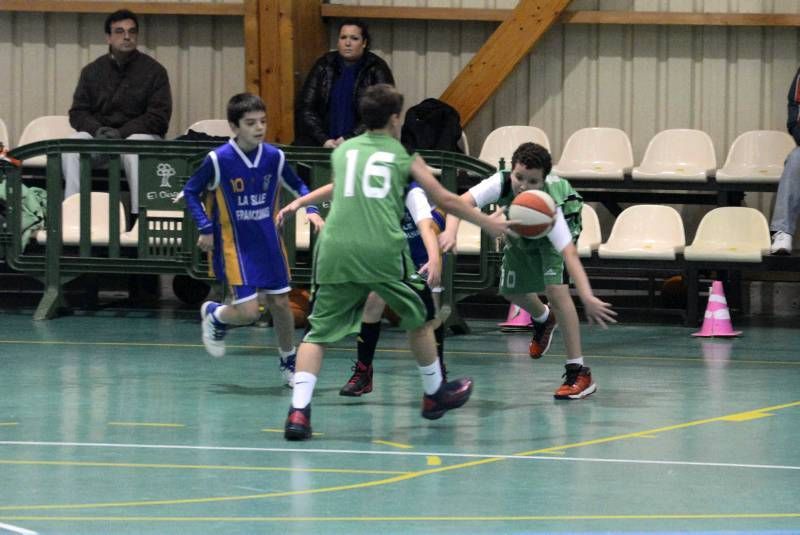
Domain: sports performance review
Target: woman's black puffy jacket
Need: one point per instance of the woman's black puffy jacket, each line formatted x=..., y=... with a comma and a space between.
x=311, y=110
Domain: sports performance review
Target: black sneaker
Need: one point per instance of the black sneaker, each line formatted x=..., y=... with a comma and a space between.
x=449, y=396
x=298, y=424
x=542, y=336
x=360, y=382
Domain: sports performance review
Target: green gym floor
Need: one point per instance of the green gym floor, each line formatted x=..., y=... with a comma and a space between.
x=116, y=421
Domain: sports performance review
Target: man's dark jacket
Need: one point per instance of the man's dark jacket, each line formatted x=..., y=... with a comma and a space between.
x=134, y=98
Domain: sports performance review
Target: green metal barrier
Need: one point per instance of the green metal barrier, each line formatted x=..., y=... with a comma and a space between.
x=165, y=236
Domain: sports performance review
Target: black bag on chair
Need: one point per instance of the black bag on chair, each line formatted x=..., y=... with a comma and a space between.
x=432, y=124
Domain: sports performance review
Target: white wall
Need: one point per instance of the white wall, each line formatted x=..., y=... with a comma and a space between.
x=41, y=56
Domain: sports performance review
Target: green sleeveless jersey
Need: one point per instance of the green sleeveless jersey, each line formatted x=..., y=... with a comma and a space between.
x=565, y=197
x=362, y=240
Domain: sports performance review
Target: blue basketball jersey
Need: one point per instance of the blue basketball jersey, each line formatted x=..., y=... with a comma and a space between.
x=240, y=206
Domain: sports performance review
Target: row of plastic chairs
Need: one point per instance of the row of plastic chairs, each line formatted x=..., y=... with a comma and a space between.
x=58, y=127
x=99, y=223
x=655, y=232
x=672, y=155
x=645, y=232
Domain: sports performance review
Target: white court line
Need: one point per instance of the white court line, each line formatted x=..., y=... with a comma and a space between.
x=16, y=529
x=400, y=453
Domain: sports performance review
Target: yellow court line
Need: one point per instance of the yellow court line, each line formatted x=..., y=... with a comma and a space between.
x=434, y=460
x=747, y=416
x=8, y=424
x=381, y=482
x=199, y=467
x=393, y=444
x=144, y=424
x=364, y=519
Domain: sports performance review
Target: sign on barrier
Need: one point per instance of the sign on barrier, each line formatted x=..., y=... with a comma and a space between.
x=161, y=179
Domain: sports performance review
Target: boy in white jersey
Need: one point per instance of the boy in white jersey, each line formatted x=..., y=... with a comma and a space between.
x=532, y=266
x=362, y=248
x=421, y=225
x=240, y=181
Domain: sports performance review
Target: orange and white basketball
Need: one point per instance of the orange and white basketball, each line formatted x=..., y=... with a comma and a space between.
x=535, y=212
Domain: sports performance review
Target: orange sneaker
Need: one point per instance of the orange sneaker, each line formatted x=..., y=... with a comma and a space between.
x=577, y=383
x=542, y=336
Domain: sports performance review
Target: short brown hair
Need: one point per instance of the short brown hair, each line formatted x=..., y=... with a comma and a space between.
x=380, y=101
x=242, y=103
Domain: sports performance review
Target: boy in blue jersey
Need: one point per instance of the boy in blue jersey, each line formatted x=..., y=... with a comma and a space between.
x=421, y=225
x=240, y=181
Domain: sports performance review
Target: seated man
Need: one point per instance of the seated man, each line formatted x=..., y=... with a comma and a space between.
x=121, y=95
x=787, y=200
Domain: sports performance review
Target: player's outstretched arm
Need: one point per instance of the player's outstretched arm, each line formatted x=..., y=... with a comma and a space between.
x=448, y=237
x=433, y=267
x=495, y=225
x=319, y=195
x=596, y=310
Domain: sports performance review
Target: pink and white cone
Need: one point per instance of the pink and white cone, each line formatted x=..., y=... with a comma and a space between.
x=717, y=319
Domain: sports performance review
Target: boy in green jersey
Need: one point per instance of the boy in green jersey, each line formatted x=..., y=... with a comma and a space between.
x=531, y=266
x=362, y=248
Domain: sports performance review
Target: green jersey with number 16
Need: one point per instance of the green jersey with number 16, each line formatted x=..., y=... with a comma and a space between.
x=362, y=240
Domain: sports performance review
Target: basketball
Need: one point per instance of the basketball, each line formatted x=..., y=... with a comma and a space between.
x=298, y=302
x=535, y=210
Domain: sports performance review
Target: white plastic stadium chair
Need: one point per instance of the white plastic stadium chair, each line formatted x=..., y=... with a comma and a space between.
x=503, y=141
x=302, y=231
x=602, y=153
x=71, y=220
x=730, y=233
x=681, y=155
x=757, y=155
x=463, y=143
x=42, y=129
x=213, y=127
x=131, y=238
x=4, y=135
x=591, y=236
x=645, y=231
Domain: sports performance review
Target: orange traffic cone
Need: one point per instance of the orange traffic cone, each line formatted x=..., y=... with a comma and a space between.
x=518, y=320
x=717, y=320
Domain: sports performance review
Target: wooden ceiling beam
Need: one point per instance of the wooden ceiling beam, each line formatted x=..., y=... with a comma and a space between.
x=140, y=8
x=568, y=17
x=511, y=42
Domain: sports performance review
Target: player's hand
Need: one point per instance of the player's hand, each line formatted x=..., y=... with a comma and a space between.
x=206, y=242
x=499, y=226
x=432, y=270
x=599, y=312
x=285, y=212
x=316, y=221
x=329, y=144
x=447, y=241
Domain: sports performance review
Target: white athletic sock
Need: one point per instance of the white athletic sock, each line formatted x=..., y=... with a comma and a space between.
x=578, y=360
x=304, y=383
x=431, y=377
x=216, y=312
x=285, y=354
x=543, y=317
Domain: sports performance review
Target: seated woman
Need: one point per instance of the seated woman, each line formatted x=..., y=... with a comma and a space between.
x=327, y=107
